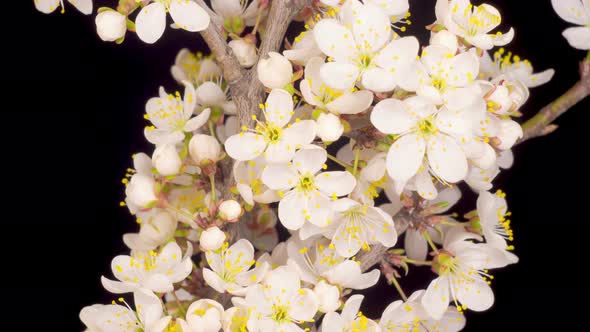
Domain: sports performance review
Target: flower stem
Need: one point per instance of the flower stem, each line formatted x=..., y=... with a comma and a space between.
x=398, y=288
x=212, y=180
x=429, y=240
x=421, y=263
x=211, y=129
x=357, y=152
x=180, y=306
x=338, y=161
x=257, y=23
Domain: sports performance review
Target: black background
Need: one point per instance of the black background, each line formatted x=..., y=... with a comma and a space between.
x=73, y=117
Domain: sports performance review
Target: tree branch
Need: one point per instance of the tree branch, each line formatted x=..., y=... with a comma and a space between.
x=232, y=71
x=541, y=123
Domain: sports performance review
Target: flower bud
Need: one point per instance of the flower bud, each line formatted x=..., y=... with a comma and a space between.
x=212, y=238
x=111, y=25
x=141, y=190
x=329, y=128
x=244, y=51
x=446, y=39
x=230, y=210
x=510, y=131
x=158, y=228
x=328, y=296
x=204, y=148
x=166, y=160
x=274, y=72
x=204, y=315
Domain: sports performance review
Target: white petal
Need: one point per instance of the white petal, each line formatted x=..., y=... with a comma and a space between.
x=334, y=39
x=405, y=157
x=150, y=23
x=210, y=94
x=117, y=287
x=198, y=121
x=462, y=69
x=476, y=295
x=84, y=6
x=436, y=298
x=245, y=146
x=371, y=27
x=280, y=107
x=304, y=306
x=335, y=183
x=424, y=185
x=339, y=75
x=279, y=177
x=246, y=193
x=416, y=245
x=571, y=11
x=399, y=53
x=280, y=152
x=351, y=307
x=188, y=15
x=310, y=160
x=291, y=209
x=390, y=116
x=578, y=37
x=214, y=281
x=539, y=78
x=46, y=6
x=351, y=103
x=378, y=80
x=446, y=159
x=300, y=133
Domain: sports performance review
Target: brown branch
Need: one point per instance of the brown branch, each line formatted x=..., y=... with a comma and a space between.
x=232, y=71
x=541, y=123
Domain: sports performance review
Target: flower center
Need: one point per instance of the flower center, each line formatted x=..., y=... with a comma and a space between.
x=280, y=313
x=328, y=94
x=306, y=183
x=445, y=264
x=439, y=83
x=364, y=61
x=426, y=126
x=271, y=133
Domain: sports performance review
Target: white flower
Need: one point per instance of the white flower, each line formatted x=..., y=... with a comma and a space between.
x=481, y=179
x=303, y=49
x=236, y=318
x=461, y=278
x=156, y=228
x=512, y=67
x=230, y=268
x=350, y=319
x=317, y=260
x=473, y=23
x=212, y=238
x=576, y=12
x=328, y=296
x=306, y=194
x=156, y=271
x=141, y=190
x=357, y=226
x=329, y=128
x=111, y=25
x=508, y=133
x=166, y=159
x=244, y=51
x=423, y=130
x=230, y=210
x=364, y=51
x=118, y=318
x=49, y=6
x=318, y=94
x=202, y=316
x=211, y=95
x=247, y=175
x=402, y=316
x=204, y=149
x=442, y=76
x=234, y=15
x=150, y=23
x=275, y=138
x=274, y=72
x=171, y=116
x=279, y=304
x=492, y=211
x=194, y=68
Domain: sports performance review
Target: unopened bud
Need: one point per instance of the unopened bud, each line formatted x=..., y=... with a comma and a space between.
x=166, y=160
x=329, y=128
x=274, y=72
x=111, y=25
x=244, y=51
x=230, y=210
x=204, y=149
x=212, y=238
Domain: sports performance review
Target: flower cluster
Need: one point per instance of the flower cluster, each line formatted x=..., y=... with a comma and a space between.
x=365, y=134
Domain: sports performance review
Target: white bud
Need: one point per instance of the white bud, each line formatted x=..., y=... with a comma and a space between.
x=445, y=38
x=501, y=101
x=329, y=127
x=141, y=190
x=328, y=296
x=510, y=131
x=111, y=25
x=487, y=157
x=230, y=210
x=203, y=148
x=212, y=238
x=274, y=72
x=244, y=51
x=158, y=229
x=166, y=160
x=204, y=316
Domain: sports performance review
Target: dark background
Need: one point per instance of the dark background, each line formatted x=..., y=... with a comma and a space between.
x=73, y=117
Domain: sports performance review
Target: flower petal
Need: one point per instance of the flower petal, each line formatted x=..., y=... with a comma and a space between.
x=150, y=23
x=378, y=80
x=405, y=157
x=351, y=103
x=339, y=75
x=390, y=116
x=334, y=39
x=578, y=37
x=335, y=183
x=446, y=159
x=188, y=15
x=279, y=176
x=371, y=28
x=245, y=146
x=279, y=107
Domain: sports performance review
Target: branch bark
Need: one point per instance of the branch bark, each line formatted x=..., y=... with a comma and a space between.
x=541, y=123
